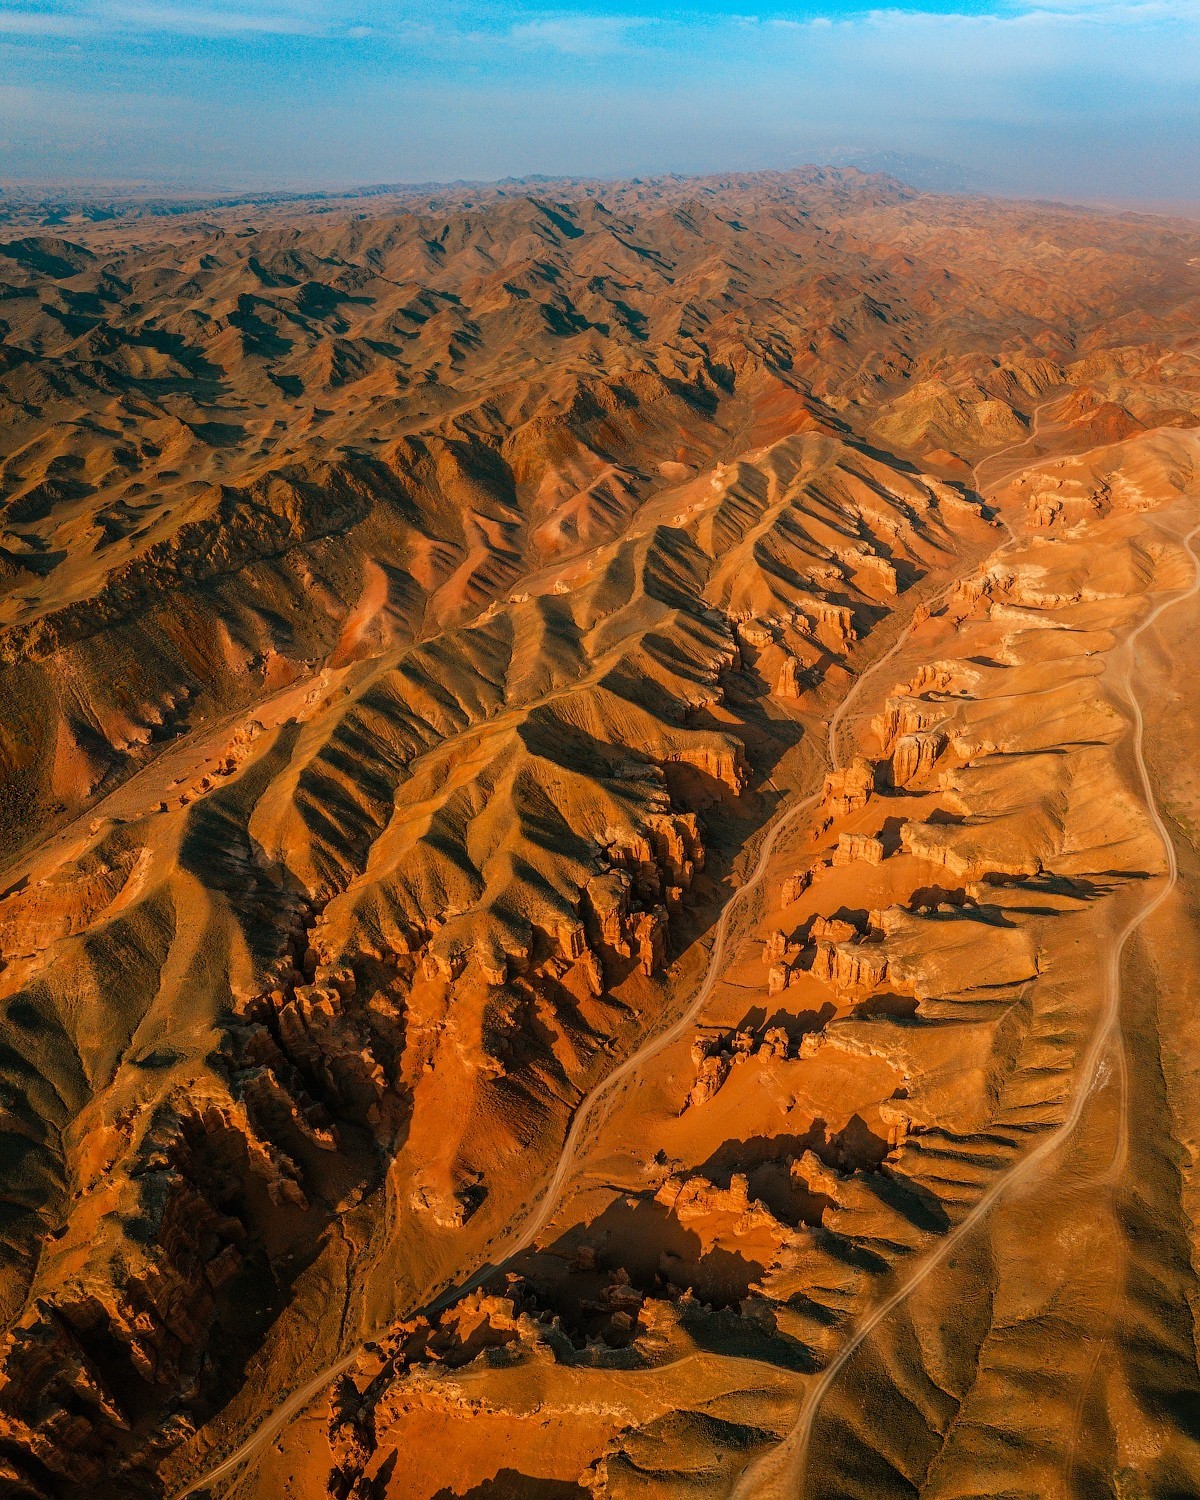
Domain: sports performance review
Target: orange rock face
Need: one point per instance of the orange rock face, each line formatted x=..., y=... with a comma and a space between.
x=597, y=805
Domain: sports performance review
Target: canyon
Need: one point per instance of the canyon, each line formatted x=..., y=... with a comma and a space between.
x=599, y=815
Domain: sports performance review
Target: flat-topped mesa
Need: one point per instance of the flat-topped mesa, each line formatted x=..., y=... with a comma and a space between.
x=858, y=847
x=850, y=966
x=945, y=845
x=848, y=790
x=832, y=930
x=914, y=755
x=887, y=919
x=968, y=748
x=780, y=954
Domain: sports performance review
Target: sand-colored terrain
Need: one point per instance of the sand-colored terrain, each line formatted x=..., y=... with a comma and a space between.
x=599, y=810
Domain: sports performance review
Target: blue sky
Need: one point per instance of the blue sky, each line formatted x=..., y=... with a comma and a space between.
x=1078, y=98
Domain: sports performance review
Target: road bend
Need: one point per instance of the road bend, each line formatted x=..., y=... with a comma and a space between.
x=779, y=1475
x=587, y=1111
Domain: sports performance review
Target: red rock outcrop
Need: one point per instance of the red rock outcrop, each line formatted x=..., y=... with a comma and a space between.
x=914, y=755
x=848, y=791
x=854, y=847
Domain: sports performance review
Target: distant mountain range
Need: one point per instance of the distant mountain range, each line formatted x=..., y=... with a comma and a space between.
x=927, y=173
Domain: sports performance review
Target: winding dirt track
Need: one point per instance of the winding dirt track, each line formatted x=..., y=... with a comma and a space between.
x=781, y=1472
x=552, y=1194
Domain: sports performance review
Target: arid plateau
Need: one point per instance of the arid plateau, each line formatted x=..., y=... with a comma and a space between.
x=600, y=839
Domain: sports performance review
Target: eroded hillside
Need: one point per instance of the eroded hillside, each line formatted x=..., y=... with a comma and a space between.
x=587, y=907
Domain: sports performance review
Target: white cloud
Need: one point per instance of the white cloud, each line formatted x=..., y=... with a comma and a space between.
x=1042, y=92
x=36, y=23
x=576, y=35
x=214, y=19
x=1116, y=12
x=569, y=32
x=211, y=20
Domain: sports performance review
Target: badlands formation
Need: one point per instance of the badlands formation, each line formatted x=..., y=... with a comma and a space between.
x=601, y=846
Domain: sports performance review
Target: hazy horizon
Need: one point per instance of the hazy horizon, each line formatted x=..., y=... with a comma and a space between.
x=1089, y=100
